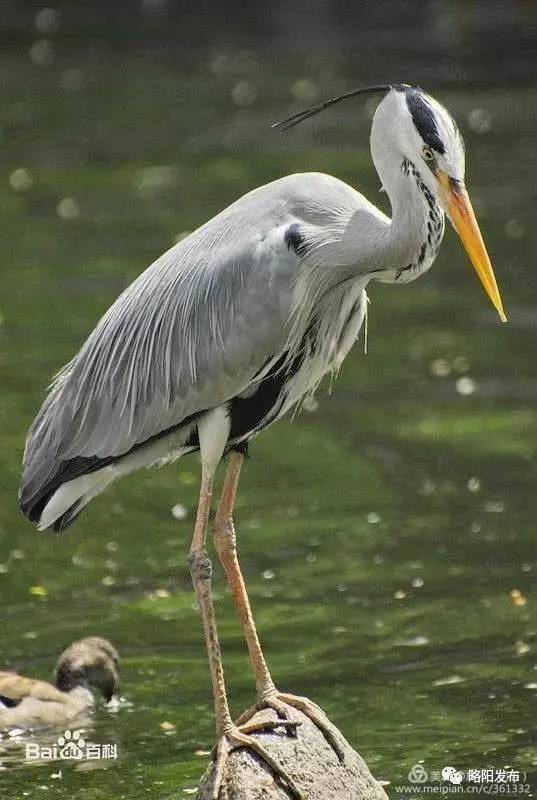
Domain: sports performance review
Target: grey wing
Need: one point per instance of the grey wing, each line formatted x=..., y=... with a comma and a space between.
x=182, y=339
x=188, y=334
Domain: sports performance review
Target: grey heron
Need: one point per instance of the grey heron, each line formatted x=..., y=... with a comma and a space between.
x=230, y=329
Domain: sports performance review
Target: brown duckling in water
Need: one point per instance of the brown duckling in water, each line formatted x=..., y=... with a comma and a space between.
x=86, y=665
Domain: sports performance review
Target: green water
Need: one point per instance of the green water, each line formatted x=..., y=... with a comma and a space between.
x=381, y=534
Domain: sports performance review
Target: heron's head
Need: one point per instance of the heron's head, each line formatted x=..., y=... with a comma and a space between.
x=91, y=662
x=411, y=126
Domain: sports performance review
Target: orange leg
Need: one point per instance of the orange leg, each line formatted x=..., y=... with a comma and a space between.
x=226, y=546
x=201, y=572
x=230, y=735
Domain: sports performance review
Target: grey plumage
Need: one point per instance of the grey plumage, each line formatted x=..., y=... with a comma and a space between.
x=277, y=278
x=192, y=331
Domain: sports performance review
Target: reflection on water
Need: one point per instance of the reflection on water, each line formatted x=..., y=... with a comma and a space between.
x=387, y=534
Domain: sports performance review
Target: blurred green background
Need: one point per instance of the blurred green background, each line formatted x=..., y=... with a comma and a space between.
x=382, y=532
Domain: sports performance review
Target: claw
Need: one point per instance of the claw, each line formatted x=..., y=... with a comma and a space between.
x=246, y=716
x=262, y=725
x=270, y=725
x=279, y=700
x=239, y=737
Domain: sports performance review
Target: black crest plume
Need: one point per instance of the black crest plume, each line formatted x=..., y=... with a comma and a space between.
x=290, y=122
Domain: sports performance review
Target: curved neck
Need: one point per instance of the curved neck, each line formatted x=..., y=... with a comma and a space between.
x=410, y=211
x=417, y=221
x=414, y=208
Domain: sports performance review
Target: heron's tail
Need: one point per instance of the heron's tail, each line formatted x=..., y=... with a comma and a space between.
x=59, y=501
x=53, y=490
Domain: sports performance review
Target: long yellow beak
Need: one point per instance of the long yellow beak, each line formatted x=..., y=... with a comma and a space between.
x=461, y=214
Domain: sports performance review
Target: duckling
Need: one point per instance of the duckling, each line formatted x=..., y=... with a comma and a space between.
x=90, y=663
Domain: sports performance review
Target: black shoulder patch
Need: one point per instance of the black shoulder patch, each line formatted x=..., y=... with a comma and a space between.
x=294, y=238
x=424, y=119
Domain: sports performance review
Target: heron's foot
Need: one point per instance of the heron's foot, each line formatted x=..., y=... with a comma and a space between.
x=282, y=701
x=239, y=736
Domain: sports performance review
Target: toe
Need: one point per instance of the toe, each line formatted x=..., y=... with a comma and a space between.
x=243, y=740
x=269, y=725
x=220, y=757
x=246, y=716
x=239, y=738
x=317, y=716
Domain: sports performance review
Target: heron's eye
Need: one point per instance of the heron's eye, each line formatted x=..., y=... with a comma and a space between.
x=428, y=154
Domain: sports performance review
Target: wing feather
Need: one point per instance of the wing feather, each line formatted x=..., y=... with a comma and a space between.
x=191, y=332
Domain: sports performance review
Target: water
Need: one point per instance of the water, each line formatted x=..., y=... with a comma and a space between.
x=381, y=534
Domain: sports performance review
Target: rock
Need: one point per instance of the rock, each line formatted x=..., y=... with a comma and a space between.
x=306, y=757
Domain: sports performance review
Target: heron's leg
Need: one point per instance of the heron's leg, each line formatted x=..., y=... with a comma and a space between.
x=201, y=572
x=230, y=736
x=226, y=546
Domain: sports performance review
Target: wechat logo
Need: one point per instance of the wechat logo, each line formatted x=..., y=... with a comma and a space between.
x=452, y=775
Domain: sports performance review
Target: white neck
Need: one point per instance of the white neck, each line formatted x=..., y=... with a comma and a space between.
x=414, y=208
x=412, y=205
